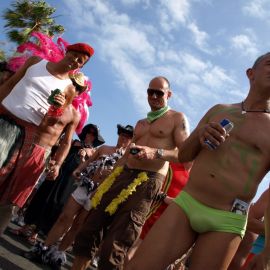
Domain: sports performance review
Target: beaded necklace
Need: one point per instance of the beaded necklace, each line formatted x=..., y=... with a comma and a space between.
x=249, y=111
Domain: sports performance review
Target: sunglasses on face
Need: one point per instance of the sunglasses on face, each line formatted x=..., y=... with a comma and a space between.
x=155, y=92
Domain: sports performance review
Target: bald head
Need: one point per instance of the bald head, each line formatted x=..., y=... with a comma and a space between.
x=163, y=79
x=259, y=59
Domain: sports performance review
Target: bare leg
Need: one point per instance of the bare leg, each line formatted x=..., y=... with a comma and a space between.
x=169, y=239
x=242, y=251
x=64, y=222
x=214, y=250
x=71, y=234
x=80, y=263
x=5, y=214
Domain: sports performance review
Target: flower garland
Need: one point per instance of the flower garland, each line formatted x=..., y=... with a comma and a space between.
x=125, y=193
x=55, y=111
x=105, y=186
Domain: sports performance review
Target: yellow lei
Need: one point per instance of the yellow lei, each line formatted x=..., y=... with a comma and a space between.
x=105, y=186
x=126, y=192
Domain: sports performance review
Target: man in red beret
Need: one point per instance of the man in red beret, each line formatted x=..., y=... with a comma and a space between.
x=24, y=103
x=81, y=48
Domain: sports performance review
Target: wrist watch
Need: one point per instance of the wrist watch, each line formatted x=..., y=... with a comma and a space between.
x=160, y=153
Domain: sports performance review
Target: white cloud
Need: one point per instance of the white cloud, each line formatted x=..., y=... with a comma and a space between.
x=245, y=45
x=216, y=77
x=200, y=37
x=192, y=63
x=123, y=46
x=169, y=55
x=137, y=51
x=135, y=2
x=173, y=13
x=177, y=13
x=178, y=9
x=257, y=8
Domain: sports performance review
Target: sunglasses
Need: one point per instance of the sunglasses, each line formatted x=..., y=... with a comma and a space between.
x=155, y=92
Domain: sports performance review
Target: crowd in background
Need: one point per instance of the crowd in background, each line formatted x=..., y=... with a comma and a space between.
x=159, y=190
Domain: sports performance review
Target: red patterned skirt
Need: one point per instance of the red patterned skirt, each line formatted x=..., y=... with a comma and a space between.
x=24, y=161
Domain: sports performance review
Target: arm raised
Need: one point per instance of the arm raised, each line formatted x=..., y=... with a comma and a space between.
x=205, y=130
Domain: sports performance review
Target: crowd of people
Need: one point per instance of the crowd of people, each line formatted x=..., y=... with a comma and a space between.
x=185, y=200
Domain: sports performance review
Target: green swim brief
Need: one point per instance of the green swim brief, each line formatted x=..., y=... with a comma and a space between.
x=206, y=219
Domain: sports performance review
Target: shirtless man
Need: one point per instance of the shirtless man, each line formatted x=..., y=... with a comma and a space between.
x=24, y=100
x=123, y=200
x=16, y=190
x=98, y=166
x=219, y=179
x=24, y=104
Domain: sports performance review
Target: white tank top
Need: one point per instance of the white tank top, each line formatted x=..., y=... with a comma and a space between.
x=28, y=98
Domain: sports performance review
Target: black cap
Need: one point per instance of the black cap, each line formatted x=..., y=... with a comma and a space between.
x=98, y=138
x=128, y=129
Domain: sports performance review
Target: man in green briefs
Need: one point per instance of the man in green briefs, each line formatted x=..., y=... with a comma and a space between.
x=211, y=212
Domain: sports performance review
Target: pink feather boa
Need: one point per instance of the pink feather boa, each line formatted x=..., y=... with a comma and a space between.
x=53, y=52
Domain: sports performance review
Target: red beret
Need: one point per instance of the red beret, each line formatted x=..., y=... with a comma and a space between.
x=82, y=48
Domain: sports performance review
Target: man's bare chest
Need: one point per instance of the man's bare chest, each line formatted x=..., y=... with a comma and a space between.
x=158, y=129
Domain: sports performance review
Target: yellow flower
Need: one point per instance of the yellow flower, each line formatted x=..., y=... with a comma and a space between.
x=125, y=193
x=105, y=186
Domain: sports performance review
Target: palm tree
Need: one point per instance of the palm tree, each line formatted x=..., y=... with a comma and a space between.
x=27, y=16
x=2, y=55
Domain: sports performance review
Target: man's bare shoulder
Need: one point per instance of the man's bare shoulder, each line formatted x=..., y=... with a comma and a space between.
x=180, y=120
x=106, y=149
x=219, y=107
x=176, y=114
x=177, y=117
x=142, y=122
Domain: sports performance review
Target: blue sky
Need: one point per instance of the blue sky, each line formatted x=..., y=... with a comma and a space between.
x=202, y=46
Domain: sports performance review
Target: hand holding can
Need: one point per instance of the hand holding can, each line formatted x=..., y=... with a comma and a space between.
x=227, y=125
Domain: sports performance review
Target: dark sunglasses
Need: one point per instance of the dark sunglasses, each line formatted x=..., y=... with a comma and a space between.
x=155, y=92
